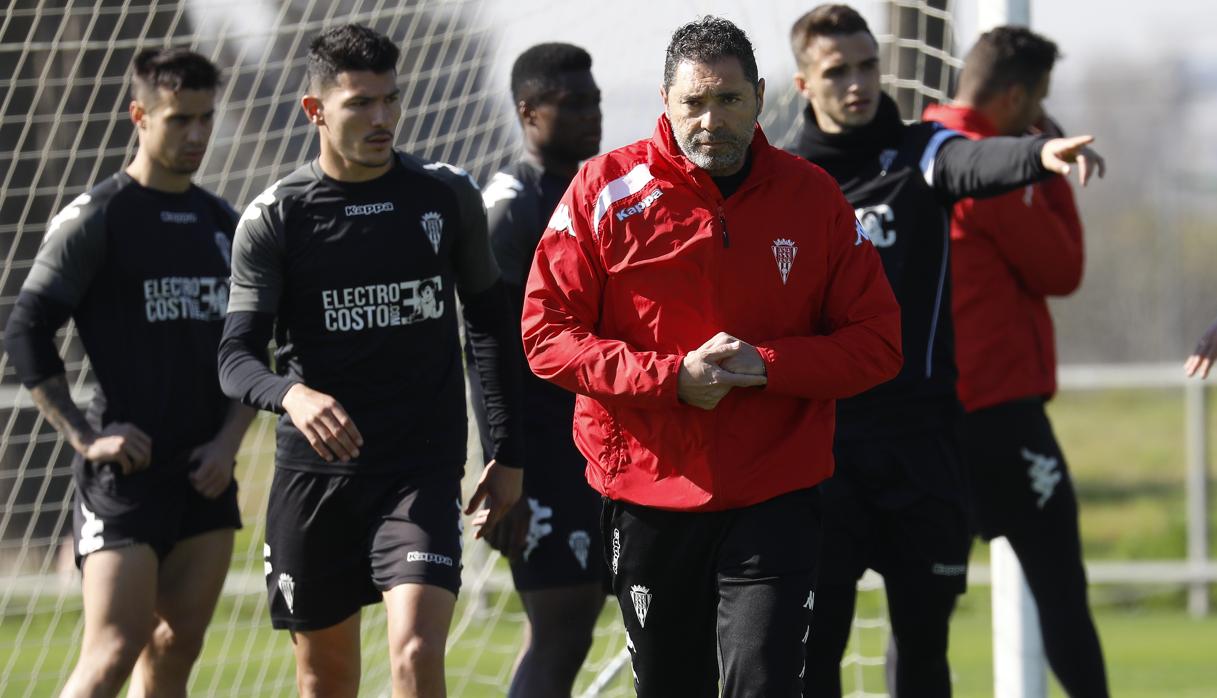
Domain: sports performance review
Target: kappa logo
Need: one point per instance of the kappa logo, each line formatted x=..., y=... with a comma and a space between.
x=862, y=235
x=429, y=558
x=944, y=570
x=810, y=603
x=640, y=206
x=580, y=543
x=433, y=225
x=368, y=209
x=502, y=187
x=90, y=532
x=69, y=213
x=560, y=221
x=1044, y=474
x=262, y=200
x=783, y=253
x=179, y=217
x=616, y=548
x=538, y=525
x=266, y=560
x=287, y=587
x=641, y=596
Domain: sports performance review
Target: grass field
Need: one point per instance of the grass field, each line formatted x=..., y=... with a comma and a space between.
x=1125, y=451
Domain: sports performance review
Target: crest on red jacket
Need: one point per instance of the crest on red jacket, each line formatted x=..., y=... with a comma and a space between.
x=783, y=253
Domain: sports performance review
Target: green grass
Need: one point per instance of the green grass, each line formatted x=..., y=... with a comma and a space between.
x=1124, y=448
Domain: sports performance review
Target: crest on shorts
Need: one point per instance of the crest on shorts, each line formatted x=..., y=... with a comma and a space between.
x=287, y=586
x=783, y=253
x=433, y=225
x=580, y=543
x=642, y=603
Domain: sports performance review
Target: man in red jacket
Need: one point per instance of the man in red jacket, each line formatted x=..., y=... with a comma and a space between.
x=709, y=297
x=1011, y=253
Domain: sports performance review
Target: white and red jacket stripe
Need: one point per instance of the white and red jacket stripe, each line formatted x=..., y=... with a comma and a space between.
x=643, y=261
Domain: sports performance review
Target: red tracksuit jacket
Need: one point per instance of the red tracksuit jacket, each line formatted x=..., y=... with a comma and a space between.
x=643, y=261
x=1009, y=254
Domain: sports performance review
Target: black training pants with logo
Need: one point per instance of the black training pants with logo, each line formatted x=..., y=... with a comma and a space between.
x=1021, y=489
x=710, y=595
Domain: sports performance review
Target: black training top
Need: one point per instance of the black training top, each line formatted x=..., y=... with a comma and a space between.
x=902, y=181
x=361, y=278
x=144, y=273
x=520, y=200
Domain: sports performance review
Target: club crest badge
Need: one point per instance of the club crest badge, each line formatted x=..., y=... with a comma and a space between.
x=783, y=253
x=580, y=543
x=433, y=225
x=288, y=587
x=642, y=603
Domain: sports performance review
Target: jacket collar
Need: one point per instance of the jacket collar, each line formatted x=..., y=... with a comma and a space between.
x=960, y=118
x=666, y=150
x=840, y=151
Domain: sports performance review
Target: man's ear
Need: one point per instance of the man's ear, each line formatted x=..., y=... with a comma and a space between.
x=137, y=112
x=800, y=85
x=525, y=113
x=313, y=109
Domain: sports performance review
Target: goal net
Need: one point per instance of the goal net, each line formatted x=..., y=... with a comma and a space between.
x=63, y=126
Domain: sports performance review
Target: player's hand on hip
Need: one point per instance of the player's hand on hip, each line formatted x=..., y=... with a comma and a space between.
x=499, y=489
x=323, y=422
x=1201, y=360
x=1059, y=154
x=705, y=378
x=509, y=536
x=122, y=443
x=212, y=466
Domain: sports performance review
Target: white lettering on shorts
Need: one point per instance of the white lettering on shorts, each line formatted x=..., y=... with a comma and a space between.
x=429, y=558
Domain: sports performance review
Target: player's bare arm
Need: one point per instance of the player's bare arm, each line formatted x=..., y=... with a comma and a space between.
x=215, y=460
x=324, y=422
x=121, y=443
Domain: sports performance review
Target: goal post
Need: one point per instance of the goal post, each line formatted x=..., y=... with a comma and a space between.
x=63, y=126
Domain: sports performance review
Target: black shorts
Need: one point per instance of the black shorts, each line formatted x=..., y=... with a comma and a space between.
x=335, y=543
x=156, y=507
x=1018, y=476
x=709, y=593
x=897, y=505
x=563, y=544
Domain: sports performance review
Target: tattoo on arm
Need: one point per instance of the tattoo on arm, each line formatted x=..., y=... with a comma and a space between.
x=54, y=401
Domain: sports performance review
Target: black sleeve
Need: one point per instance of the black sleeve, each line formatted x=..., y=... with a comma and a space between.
x=494, y=336
x=29, y=337
x=965, y=168
x=244, y=373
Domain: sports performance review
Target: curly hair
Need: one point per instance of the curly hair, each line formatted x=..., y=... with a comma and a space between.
x=709, y=40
